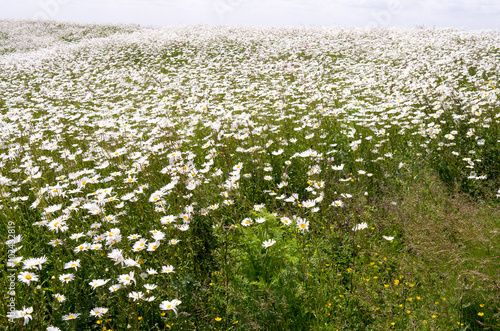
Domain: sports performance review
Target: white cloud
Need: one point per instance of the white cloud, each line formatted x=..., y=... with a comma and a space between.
x=474, y=14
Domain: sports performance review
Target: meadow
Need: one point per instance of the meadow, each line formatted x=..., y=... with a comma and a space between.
x=247, y=178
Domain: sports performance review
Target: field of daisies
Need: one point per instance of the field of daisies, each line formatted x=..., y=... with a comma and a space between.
x=246, y=178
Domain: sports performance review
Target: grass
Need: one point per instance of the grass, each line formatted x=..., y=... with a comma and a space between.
x=247, y=178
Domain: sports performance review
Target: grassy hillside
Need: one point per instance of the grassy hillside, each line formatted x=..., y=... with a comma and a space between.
x=29, y=35
x=219, y=178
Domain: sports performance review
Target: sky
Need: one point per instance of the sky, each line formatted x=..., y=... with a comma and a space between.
x=462, y=14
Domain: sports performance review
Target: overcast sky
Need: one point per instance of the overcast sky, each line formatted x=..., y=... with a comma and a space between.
x=469, y=14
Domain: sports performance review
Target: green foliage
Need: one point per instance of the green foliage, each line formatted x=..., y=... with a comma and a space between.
x=285, y=187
